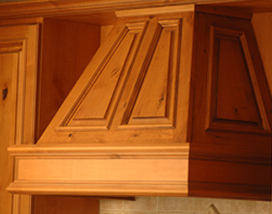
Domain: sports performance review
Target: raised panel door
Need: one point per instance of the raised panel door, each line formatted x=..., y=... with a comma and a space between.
x=18, y=57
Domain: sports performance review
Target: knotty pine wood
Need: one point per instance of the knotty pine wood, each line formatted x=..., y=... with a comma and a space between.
x=213, y=171
x=67, y=48
x=169, y=26
x=8, y=73
x=107, y=74
x=18, y=74
x=95, y=170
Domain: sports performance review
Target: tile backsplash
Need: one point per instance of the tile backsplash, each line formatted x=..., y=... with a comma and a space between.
x=184, y=205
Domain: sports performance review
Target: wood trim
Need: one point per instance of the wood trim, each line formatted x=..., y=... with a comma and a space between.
x=94, y=171
x=11, y=46
x=27, y=21
x=155, y=11
x=48, y=8
x=123, y=189
x=106, y=151
x=113, y=198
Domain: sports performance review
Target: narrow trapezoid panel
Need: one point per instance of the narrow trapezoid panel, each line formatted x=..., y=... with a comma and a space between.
x=97, y=104
x=156, y=96
x=232, y=103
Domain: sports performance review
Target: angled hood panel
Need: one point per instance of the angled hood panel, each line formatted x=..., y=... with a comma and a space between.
x=134, y=90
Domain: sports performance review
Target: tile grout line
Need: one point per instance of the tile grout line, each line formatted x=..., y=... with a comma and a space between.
x=194, y=205
x=123, y=207
x=157, y=211
x=157, y=205
x=231, y=206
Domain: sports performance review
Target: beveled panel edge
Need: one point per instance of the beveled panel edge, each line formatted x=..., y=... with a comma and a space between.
x=11, y=46
x=217, y=124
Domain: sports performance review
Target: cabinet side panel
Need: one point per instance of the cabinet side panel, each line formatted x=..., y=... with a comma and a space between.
x=68, y=47
x=230, y=156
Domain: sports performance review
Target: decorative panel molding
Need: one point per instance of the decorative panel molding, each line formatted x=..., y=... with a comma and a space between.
x=154, y=97
x=153, y=101
x=96, y=105
x=234, y=102
x=12, y=58
x=82, y=170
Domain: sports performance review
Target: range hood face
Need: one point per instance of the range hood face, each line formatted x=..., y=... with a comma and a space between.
x=123, y=128
x=135, y=90
x=126, y=127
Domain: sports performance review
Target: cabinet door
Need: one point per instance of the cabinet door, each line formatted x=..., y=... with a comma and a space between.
x=18, y=60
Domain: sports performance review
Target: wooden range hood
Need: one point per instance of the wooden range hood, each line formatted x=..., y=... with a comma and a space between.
x=174, y=103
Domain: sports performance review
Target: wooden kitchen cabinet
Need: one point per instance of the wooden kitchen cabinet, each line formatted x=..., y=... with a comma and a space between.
x=222, y=83
x=18, y=75
x=201, y=128
x=40, y=61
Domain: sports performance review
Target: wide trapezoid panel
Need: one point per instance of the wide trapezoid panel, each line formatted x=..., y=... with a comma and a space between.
x=97, y=103
x=154, y=100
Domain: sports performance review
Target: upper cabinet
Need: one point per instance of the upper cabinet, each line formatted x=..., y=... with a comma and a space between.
x=18, y=74
x=173, y=102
